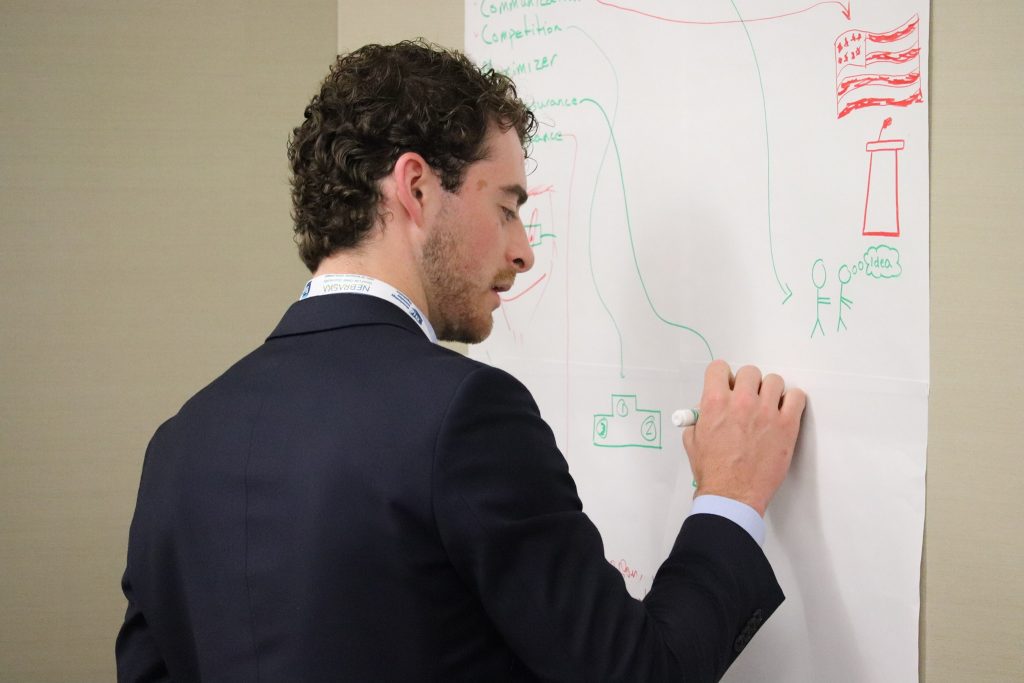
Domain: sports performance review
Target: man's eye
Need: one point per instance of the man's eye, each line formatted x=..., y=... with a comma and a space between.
x=509, y=213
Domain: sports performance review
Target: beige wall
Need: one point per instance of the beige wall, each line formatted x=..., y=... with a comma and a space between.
x=973, y=617
x=145, y=245
x=390, y=22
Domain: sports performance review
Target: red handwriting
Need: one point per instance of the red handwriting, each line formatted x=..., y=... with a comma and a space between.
x=528, y=288
x=629, y=573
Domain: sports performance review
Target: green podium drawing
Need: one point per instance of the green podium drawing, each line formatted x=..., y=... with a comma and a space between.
x=627, y=426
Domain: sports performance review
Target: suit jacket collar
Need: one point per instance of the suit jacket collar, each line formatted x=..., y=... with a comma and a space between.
x=333, y=311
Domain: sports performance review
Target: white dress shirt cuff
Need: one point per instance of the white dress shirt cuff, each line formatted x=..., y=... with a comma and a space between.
x=733, y=510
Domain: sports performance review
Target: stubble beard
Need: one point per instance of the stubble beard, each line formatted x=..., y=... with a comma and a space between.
x=449, y=291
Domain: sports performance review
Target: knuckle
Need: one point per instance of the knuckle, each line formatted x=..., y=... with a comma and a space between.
x=768, y=409
x=798, y=398
x=745, y=402
x=791, y=424
x=713, y=401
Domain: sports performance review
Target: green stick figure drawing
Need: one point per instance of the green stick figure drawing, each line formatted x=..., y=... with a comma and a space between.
x=844, y=279
x=819, y=277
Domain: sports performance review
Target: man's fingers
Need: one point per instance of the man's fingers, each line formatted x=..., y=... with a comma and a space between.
x=688, y=439
x=748, y=378
x=793, y=403
x=717, y=378
x=772, y=386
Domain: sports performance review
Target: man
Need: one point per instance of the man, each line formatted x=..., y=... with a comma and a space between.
x=353, y=502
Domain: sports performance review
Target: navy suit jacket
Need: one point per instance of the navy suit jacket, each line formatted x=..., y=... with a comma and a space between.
x=351, y=502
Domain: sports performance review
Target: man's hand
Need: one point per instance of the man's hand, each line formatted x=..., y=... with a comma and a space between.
x=743, y=442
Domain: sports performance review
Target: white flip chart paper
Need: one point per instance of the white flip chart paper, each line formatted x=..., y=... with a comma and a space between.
x=747, y=180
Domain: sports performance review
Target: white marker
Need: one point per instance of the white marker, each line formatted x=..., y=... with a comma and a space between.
x=686, y=417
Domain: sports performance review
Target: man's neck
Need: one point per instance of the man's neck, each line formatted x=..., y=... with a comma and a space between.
x=360, y=262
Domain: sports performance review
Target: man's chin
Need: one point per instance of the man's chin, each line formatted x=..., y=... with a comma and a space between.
x=467, y=334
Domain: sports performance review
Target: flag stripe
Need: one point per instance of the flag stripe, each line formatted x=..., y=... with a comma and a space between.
x=852, y=83
x=881, y=102
x=896, y=57
x=896, y=34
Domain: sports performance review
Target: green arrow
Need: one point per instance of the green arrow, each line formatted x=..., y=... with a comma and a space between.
x=768, y=155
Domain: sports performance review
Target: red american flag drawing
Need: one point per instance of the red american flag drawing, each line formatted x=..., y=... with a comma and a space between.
x=878, y=69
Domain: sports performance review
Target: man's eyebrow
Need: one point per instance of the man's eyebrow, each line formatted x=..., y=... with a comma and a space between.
x=517, y=191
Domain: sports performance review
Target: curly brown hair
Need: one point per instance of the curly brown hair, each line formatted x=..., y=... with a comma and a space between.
x=377, y=103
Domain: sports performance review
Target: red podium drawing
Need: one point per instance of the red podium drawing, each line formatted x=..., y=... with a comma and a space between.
x=882, y=200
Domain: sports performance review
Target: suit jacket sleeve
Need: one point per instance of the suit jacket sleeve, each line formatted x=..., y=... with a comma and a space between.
x=513, y=525
x=138, y=660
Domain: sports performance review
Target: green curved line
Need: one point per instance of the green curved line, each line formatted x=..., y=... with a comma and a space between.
x=629, y=228
x=593, y=200
x=611, y=65
x=590, y=257
x=767, y=145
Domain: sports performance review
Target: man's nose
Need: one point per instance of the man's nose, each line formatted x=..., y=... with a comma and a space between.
x=520, y=251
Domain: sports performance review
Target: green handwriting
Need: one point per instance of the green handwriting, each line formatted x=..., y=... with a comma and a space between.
x=528, y=66
x=493, y=8
x=531, y=27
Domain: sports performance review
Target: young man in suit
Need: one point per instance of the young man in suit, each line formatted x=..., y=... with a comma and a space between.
x=353, y=502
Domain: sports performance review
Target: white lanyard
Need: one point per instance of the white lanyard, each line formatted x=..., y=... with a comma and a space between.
x=346, y=283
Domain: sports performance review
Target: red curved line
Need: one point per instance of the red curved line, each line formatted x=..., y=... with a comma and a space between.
x=509, y=325
x=540, y=297
x=551, y=270
x=513, y=298
x=844, y=5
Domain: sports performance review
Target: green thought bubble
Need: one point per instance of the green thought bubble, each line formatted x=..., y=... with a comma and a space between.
x=883, y=262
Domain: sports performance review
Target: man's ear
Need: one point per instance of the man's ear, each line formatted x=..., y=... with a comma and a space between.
x=415, y=185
